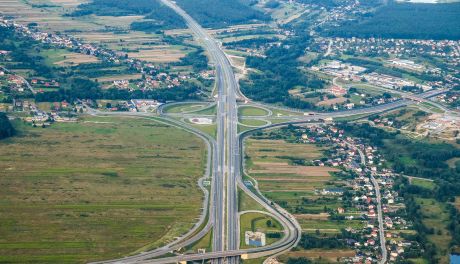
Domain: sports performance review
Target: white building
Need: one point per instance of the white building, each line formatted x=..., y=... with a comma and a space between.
x=254, y=238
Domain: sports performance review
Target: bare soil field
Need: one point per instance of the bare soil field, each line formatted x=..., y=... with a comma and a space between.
x=120, y=77
x=284, y=168
x=235, y=28
x=269, y=150
x=330, y=255
x=338, y=100
x=320, y=216
x=68, y=3
x=270, y=164
x=76, y=58
x=160, y=55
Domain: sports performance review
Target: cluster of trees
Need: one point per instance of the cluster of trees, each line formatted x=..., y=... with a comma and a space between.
x=6, y=129
x=222, y=13
x=20, y=52
x=210, y=13
x=86, y=89
x=251, y=43
x=308, y=241
x=279, y=73
x=414, y=212
x=405, y=21
x=301, y=260
x=454, y=225
x=196, y=59
x=272, y=4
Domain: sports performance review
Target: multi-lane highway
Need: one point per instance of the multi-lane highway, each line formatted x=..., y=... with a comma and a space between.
x=226, y=227
x=225, y=159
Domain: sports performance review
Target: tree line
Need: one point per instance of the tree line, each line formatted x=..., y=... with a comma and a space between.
x=6, y=129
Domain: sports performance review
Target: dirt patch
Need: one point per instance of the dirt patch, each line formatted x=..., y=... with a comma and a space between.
x=77, y=58
x=158, y=55
x=283, y=168
x=293, y=179
x=333, y=101
x=120, y=77
x=329, y=254
x=320, y=216
x=68, y=3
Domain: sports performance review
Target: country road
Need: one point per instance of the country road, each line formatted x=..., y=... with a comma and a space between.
x=379, y=210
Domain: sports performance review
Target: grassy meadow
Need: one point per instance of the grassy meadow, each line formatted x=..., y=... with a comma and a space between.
x=97, y=189
x=260, y=223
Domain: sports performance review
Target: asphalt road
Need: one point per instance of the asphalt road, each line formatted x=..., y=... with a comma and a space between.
x=226, y=131
x=226, y=226
x=226, y=171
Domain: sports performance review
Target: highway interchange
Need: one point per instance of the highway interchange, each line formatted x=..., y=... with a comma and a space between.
x=224, y=169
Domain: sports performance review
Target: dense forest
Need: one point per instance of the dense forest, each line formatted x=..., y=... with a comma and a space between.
x=405, y=21
x=222, y=13
x=6, y=129
x=157, y=14
x=209, y=13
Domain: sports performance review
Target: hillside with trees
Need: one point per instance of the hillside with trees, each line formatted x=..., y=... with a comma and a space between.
x=405, y=21
x=159, y=16
x=222, y=13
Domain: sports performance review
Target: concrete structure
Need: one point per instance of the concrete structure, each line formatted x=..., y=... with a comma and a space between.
x=254, y=238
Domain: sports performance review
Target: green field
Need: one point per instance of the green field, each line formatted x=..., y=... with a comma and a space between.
x=97, y=189
x=253, y=122
x=208, y=111
x=208, y=129
x=204, y=243
x=182, y=108
x=423, y=183
x=436, y=216
x=254, y=261
x=258, y=222
x=245, y=202
x=251, y=111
